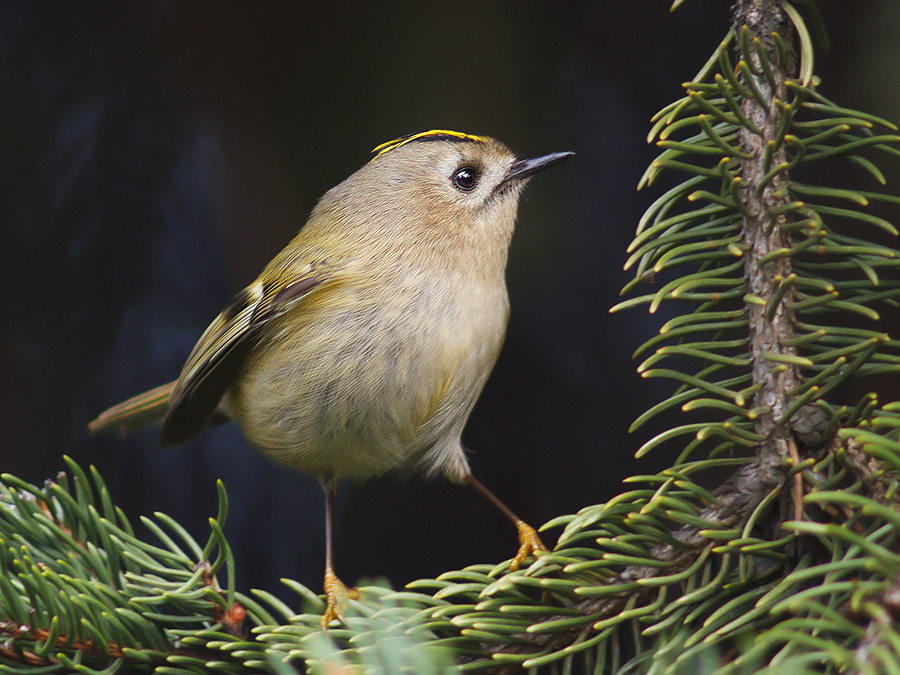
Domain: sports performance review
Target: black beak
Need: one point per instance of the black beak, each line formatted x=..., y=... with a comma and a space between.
x=528, y=167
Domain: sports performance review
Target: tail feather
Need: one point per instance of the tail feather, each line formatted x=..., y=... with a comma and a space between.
x=136, y=413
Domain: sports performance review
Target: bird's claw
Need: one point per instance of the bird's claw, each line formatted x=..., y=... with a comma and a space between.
x=336, y=597
x=529, y=544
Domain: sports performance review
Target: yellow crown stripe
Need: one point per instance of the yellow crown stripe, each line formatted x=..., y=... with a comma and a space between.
x=403, y=140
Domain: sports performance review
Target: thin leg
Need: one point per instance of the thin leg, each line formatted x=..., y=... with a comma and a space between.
x=529, y=541
x=336, y=593
x=329, y=520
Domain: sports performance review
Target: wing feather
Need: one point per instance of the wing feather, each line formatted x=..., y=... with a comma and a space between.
x=220, y=352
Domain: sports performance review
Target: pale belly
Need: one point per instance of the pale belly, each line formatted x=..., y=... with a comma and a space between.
x=356, y=395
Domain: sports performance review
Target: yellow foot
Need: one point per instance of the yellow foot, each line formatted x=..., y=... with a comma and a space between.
x=529, y=543
x=336, y=597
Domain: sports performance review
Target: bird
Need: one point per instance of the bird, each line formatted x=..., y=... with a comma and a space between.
x=364, y=344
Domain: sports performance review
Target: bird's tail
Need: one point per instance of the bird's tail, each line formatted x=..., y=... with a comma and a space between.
x=135, y=413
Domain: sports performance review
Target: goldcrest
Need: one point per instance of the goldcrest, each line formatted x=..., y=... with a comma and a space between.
x=362, y=347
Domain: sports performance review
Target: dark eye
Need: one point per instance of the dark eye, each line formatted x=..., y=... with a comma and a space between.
x=465, y=178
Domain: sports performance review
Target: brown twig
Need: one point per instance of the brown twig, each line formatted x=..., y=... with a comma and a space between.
x=763, y=199
x=876, y=480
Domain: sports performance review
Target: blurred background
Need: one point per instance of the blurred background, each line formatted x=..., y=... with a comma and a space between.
x=156, y=155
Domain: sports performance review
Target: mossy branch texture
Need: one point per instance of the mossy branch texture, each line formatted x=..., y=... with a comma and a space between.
x=789, y=565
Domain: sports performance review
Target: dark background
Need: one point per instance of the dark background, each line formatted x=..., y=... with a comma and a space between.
x=155, y=155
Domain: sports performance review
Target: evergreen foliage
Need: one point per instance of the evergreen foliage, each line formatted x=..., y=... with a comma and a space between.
x=792, y=564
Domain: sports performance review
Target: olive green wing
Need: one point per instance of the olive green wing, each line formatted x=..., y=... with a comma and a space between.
x=220, y=352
